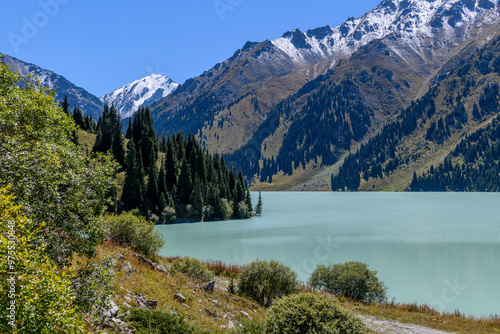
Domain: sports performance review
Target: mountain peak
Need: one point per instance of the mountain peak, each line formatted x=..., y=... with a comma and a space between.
x=142, y=92
x=409, y=17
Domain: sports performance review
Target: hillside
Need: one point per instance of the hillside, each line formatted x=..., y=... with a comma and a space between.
x=267, y=104
x=427, y=133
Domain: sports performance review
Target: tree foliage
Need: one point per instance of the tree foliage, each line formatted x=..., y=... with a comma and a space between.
x=351, y=279
x=311, y=313
x=51, y=179
x=265, y=281
x=37, y=297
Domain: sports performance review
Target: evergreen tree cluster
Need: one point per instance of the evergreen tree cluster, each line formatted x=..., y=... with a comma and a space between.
x=379, y=153
x=326, y=124
x=476, y=167
x=187, y=182
x=109, y=135
x=84, y=121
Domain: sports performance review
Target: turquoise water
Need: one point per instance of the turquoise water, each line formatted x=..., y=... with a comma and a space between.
x=441, y=249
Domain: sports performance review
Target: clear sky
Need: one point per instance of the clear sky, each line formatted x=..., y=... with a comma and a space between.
x=101, y=45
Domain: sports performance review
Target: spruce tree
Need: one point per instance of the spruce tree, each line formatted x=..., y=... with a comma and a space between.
x=162, y=180
x=118, y=144
x=152, y=188
x=65, y=105
x=185, y=184
x=132, y=192
x=128, y=133
x=196, y=197
x=248, y=201
x=258, y=207
x=171, y=165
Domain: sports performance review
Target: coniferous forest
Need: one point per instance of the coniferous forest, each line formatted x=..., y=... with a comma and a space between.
x=174, y=177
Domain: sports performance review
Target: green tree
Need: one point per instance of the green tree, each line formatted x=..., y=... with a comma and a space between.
x=65, y=105
x=265, y=281
x=49, y=176
x=132, y=192
x=185, y=184
x=258, y=207
x=152, y=193
x=351, y=279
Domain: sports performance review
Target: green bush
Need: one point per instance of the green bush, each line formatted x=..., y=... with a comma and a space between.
x=136, y=232
x=147, y=321
x=193, y=268
x=309, y=313
x=226, y=209
x=168, y=215
x=243, y=212
x=264, y=281
x=351, y=279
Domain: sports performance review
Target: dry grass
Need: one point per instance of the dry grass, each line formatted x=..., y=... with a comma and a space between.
x=424, y=315
x=200, y=311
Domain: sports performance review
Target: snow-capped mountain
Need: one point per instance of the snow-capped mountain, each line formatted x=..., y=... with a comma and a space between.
x=451, y=19
x=89, y=103
x=143, y=92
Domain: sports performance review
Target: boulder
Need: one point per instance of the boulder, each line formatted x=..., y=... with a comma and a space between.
x=161, y=268
x=210, y=287
x=145, y=303
x=245, y=314
x=180, y=297
x=128, y=268
x=230, y=325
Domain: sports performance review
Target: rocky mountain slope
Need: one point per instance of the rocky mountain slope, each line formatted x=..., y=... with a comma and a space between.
x=259, y=105
x=143, y=92
x=88, y=102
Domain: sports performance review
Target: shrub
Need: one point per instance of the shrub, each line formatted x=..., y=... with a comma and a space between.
x=168, y=215
x=311, y=313
x=226, y=209
x=136, y=232
x=351, y=279
x=194, y=268
x=147, y=321
x=93, y=284
x=243, y=212
x=208, y=212
x=264, y=281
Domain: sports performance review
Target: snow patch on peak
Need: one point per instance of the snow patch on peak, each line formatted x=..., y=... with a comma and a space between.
x=409, y=17
x=142, y=92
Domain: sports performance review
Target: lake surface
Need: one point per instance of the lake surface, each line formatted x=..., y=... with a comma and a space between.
x=441, y=249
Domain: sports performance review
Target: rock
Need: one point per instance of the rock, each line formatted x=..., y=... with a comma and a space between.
x=216, y=302
x=161, y=268
x=172, y=312
x=113, y=308
x=230, y=325
x=127, y=298
x=118, y=257
x=180, y=297
x=210, y=287
x=145, y=303
x=127, y=305
x=186, y=305
x=127, y=314
x=145, y=261
x=199, y=286
x=128, y=268
x=246, y=314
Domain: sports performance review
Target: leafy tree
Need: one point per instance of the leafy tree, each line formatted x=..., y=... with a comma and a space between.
x=311, y=313
x=49, y=176
x=351, y=279
x=265, y=281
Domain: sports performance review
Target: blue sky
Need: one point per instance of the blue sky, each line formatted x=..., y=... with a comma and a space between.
x=102, y=45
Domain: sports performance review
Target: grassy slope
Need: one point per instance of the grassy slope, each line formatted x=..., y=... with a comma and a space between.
x=208, y=317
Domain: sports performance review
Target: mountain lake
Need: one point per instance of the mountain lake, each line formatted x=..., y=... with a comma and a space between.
x=440, y=249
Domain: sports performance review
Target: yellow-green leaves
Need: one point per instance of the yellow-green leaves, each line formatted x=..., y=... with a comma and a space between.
x=35, y=294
